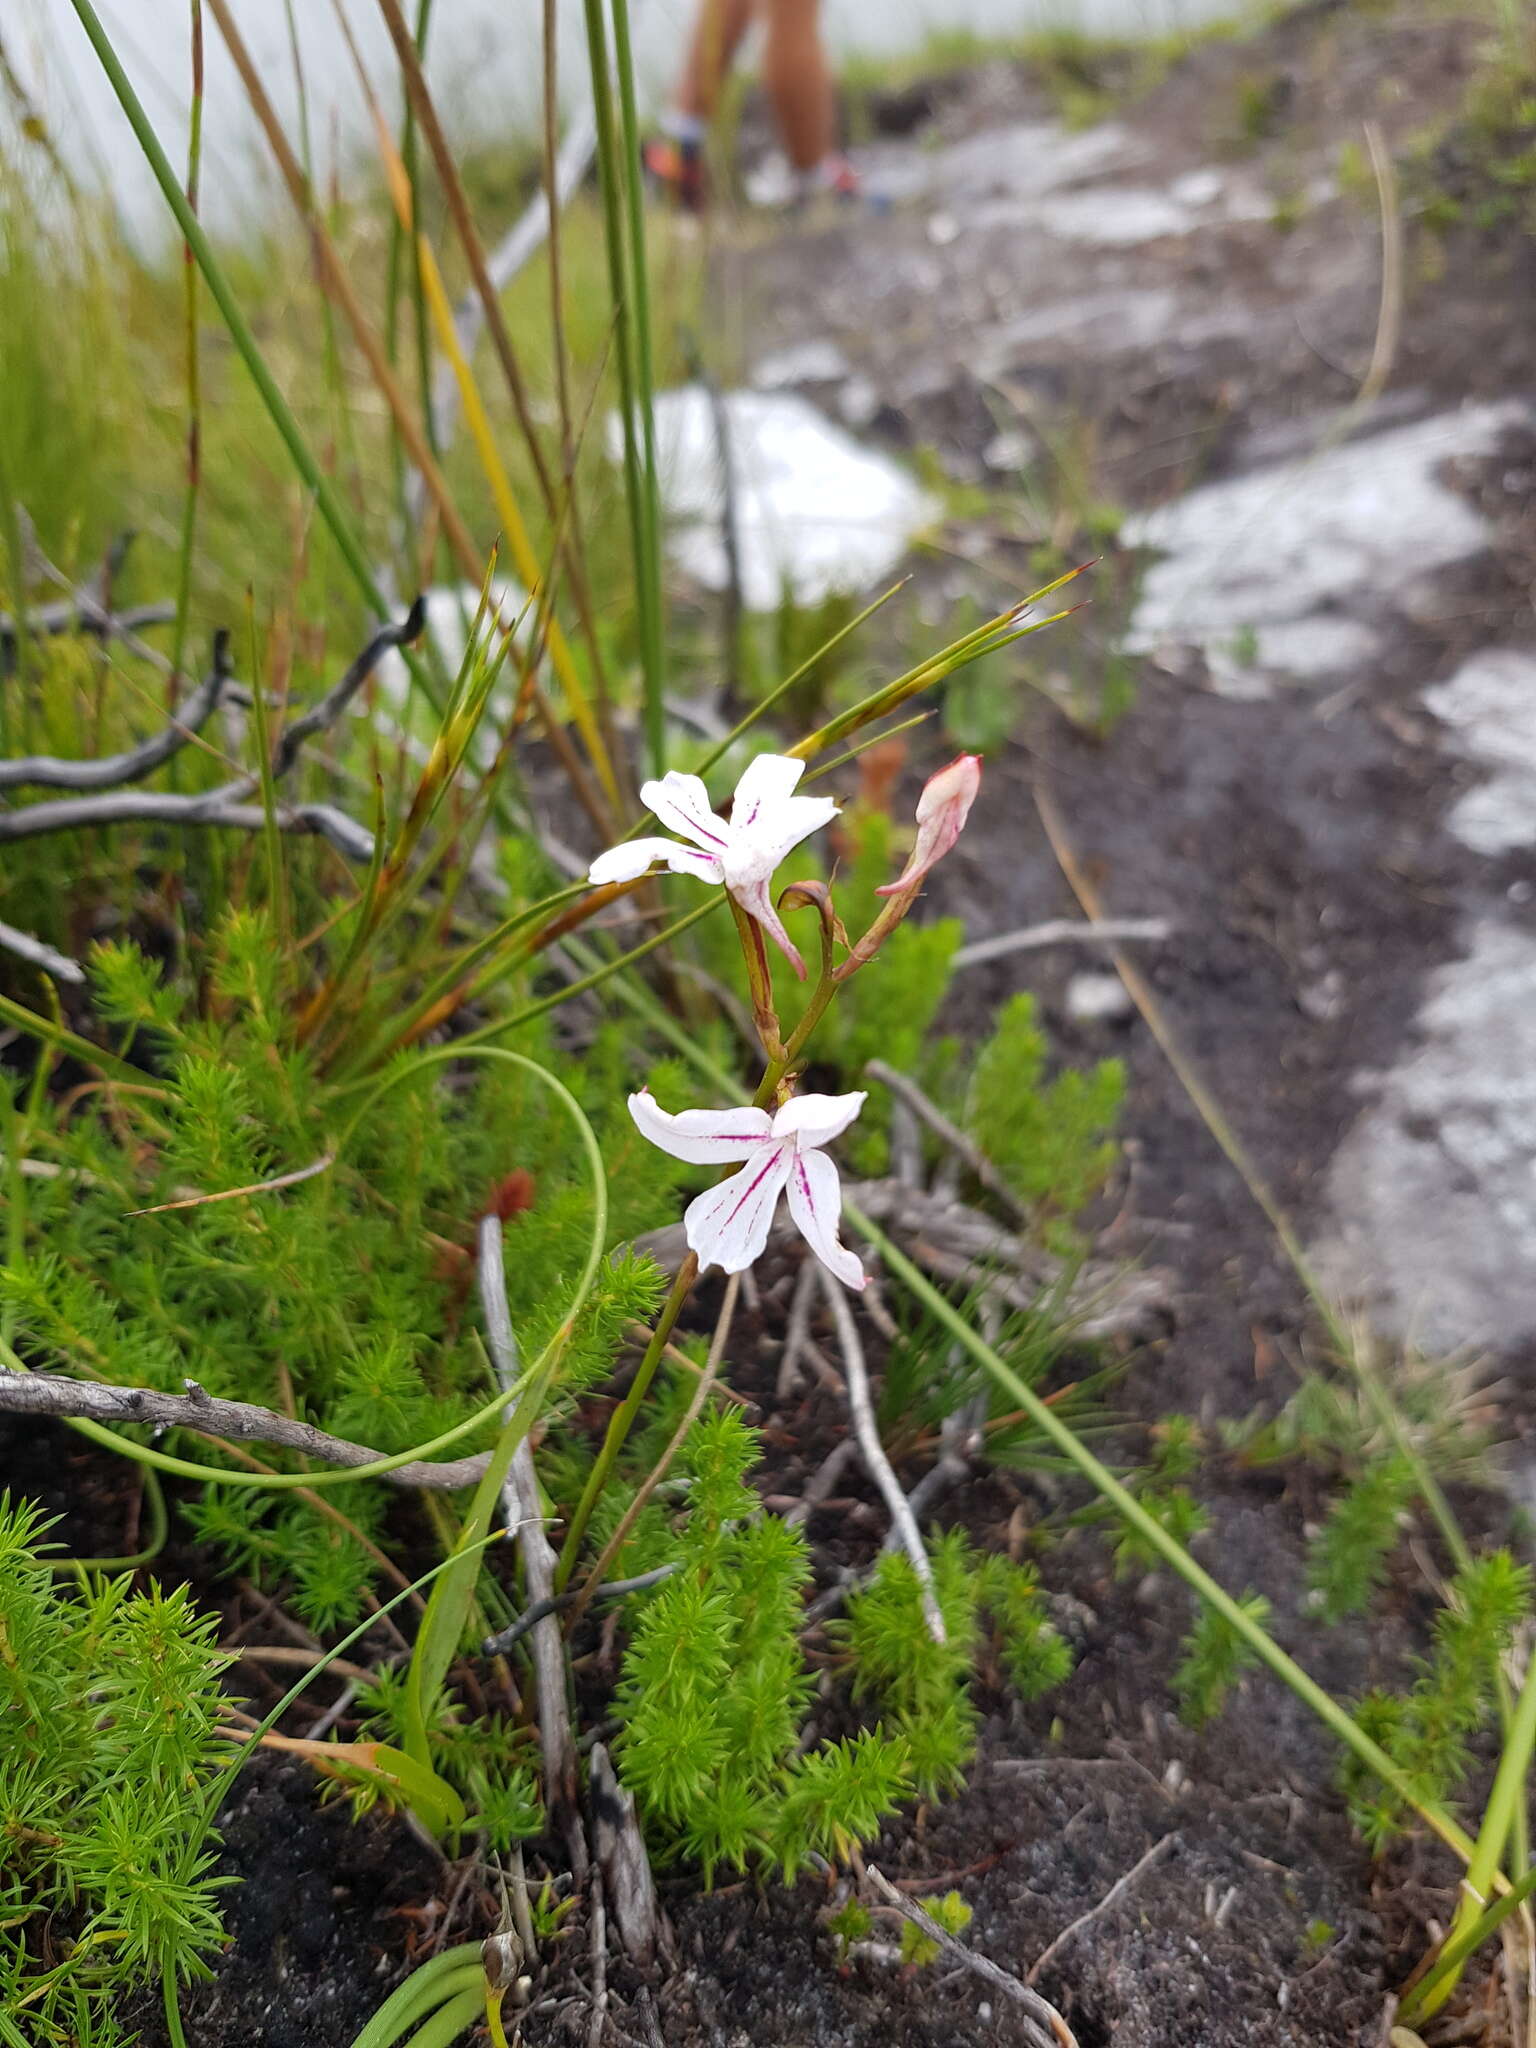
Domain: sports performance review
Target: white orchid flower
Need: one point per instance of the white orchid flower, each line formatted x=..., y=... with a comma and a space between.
x=767, y=822
x=728, y=1225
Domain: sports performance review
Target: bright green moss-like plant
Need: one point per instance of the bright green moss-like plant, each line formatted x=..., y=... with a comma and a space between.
x=109, y=1707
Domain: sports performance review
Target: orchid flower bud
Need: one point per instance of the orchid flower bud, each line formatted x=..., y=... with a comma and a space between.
x=942, y=810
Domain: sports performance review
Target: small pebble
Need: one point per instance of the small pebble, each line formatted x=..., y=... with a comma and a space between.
x=1098, y=998
x=858, y=402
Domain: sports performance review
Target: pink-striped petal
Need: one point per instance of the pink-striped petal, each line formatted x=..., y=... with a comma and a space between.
x=942, y=810
x=765, y=783
x=682, y=802
x=728, y=1226
x=816, y=1203
x=776, y=831
x=704, y=1137
x=756, y=900
x=627, y=862
x=817, y=1119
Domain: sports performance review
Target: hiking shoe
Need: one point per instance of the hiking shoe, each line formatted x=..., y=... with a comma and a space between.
x=676, y=169
x=836, y=175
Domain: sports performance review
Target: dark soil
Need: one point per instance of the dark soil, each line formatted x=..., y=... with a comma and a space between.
x=1301, y=860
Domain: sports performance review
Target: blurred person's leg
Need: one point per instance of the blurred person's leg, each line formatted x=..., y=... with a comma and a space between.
x=676, y=159
x=798, y=80
x=800, y=85
x=717, y=36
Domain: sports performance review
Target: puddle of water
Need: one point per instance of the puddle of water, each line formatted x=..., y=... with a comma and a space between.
x=815, y=511
x=1281, y=544
x=1490, y=706
x=1433, y=1189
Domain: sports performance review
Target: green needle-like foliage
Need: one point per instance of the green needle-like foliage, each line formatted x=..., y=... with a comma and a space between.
x=1429, y=1729
x=109, y=1703
x=349, y=1297
x=1050, y=1139
x=922, y=1686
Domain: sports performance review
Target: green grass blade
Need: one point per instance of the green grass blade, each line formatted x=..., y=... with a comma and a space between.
x=339, y=525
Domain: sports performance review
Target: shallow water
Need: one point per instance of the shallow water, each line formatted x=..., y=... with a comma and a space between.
x=483, y=63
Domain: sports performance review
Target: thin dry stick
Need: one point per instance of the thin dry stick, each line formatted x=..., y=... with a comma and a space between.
x=306, y=1660
x=615, y=1589
x=927, y=1112
x=206, y=1415
x=659, y=1471
x=162, y=807
x=1064, y=931
x=1389, y=321
x=520, y=1495
x=862, y=1409
x=38, y=953
x=821, y=1482
x=599, y=1951
x=254, y=1187
x=1036, y=2013
x=1116, y=1891
x=108, y=771
x=225, y=806
x=797, y=1331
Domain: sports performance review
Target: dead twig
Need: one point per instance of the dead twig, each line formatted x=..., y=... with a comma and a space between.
x=1117, y=1890
x=254, y=1187
x=1389, y=318
x=957, y=1242
x=1065, y=931
x=153, y=807
x=38, y=953
x=305, y=1660
x=520, y=1497
x=599, y=1952
x=821, y=1482
x=207, y=1415
x=862, y=1409
x=622, y=1863
x=81, y=614
x=645, y=2009
x=1036, y=2013
x=906, y=1090
x=615, y=1589
x=797, y=1330
x=229, y=805
x=109, y=771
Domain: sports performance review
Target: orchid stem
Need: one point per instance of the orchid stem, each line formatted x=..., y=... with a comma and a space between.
x=759, y=982
x=624, y=1420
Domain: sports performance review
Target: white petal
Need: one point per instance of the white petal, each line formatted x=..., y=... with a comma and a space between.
x=778, y=828
x=766, y=781
x=682, y=802
x=816, y=1203
x=818, y=1119
x=704, y=1137
x=627, y=862
x=728, y=1226
x=756, y=901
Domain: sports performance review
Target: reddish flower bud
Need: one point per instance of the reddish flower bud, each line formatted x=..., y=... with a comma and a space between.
x=942, y=810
